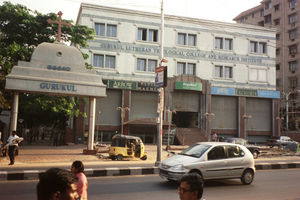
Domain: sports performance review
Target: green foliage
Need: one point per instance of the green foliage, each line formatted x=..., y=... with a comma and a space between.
x=21, y=31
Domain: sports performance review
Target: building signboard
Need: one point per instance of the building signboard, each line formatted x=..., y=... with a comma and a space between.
x=268, y=94
x=130, y=85
x=245, y=92
x=188, y=86
x=159, y=76
x=121, y=85
x=222, y=91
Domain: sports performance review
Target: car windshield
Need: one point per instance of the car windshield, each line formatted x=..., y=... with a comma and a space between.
x=195, y=150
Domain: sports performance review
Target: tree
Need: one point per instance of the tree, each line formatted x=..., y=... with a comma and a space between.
x=21, y=31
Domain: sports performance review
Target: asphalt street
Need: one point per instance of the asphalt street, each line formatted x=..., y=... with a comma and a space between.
x=268, y=184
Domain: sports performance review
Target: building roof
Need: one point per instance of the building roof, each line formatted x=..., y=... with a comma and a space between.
x=248, y=12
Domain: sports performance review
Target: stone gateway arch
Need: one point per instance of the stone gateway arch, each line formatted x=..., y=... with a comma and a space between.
x=56, y=69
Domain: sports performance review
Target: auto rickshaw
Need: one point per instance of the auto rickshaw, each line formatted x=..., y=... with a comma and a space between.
x=126, y=146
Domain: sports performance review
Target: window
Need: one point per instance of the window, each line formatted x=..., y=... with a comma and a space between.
x=277, y=7
x=293, y=18
x=223, y=72
x=276, y=21
x=104, y=61
x=278, y=82
x=216, y=153
x=292, y=3
x=186, y=39
x=293, y=82
x=268, y=19
x=228, y=72
x=262, y=13
x=110, y=62
x=223, y=43
x=108, y=30
x=146, y=65
x=268, y=5
x=141, y=64
x=150, y=35
x=293, y=34
x=186, y=68
x=277, y=52
x=234, y=152
x=277, y=36
x=293, y=66
x=277, y=67
x=258, y=47
x=293, y=49
x=258, y=75
x=218, y=71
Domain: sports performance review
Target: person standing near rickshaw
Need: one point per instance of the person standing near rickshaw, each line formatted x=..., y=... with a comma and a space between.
x=12, y=146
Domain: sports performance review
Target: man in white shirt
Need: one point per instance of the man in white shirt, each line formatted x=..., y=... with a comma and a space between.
x=12, y=146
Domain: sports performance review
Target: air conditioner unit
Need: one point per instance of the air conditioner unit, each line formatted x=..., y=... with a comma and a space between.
x=293, y=24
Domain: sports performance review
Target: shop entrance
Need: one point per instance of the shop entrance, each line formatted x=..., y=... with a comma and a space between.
x=185, y=119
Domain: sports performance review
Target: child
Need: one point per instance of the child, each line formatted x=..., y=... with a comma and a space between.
x=77, y=168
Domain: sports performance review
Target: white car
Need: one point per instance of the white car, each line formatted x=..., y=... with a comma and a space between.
x=212, y=160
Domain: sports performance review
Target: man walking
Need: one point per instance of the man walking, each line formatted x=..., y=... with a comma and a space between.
x=191, y=187
x=12, y=146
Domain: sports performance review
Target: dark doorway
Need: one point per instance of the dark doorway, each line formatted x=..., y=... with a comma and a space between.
x=185, y=119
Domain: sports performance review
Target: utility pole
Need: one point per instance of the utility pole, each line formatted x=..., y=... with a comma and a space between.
x=160, y=106
x=122, y=109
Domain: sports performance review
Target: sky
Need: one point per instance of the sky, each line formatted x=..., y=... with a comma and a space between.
x=218, y=10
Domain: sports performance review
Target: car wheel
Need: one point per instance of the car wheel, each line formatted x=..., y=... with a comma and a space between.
x=247, y=177
x=255, y=154
x=120, y=157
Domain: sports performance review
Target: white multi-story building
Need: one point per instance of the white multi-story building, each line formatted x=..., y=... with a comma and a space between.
x=221, y=76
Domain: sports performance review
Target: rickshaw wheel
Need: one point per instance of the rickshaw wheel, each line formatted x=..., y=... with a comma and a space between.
x=113, y=157
x=119, y=157
x=144, y=157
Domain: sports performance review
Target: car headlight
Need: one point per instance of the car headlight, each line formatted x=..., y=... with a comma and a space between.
x=177, y=167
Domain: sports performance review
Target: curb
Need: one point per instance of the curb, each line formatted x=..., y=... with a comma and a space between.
x=34, y=174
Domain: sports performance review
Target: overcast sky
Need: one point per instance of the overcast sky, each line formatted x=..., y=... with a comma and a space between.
x=219, y=10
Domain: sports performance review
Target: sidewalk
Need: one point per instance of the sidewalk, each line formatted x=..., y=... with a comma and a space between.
x=33, y=160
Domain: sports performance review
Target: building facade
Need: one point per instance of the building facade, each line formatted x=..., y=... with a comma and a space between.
x=215, y=81
x=282, y=15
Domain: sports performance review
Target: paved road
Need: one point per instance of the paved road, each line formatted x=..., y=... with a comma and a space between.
x=268, y=184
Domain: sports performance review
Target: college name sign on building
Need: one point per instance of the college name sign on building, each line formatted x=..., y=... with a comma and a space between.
x=245, y=92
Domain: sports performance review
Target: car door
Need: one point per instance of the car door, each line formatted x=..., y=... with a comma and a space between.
x=216, y=165
x=236, y=161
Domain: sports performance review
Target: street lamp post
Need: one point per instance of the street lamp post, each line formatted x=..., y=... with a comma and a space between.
x=246, y=117
x=207, y=116
x=287, y=108
x=122, y=109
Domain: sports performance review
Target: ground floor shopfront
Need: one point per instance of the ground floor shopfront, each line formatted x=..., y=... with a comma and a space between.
x=193, y=110
x=245, y=113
